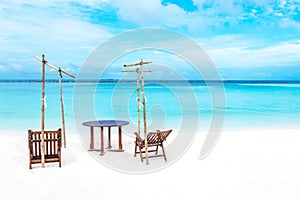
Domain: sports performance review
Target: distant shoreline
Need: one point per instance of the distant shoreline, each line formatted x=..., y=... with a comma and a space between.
x=156, y=81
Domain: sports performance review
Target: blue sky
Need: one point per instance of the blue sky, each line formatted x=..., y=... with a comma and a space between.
x=246, y=39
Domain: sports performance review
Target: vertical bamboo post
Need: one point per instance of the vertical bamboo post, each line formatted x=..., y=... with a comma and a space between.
x=43, y=112
x=62, y=108
x=144, y=113
x=138, y=100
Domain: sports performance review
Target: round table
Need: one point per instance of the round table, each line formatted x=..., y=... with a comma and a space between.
x=102, y=124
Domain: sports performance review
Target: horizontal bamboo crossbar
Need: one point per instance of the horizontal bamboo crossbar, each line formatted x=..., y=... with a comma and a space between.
x=136, y=64
x=53, y=67
x=138, y=70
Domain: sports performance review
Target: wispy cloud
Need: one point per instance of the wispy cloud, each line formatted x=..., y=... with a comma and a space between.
x=150, y=13
x=279, y=55
x=54, y=28
x=2, y=68
x=287, y=23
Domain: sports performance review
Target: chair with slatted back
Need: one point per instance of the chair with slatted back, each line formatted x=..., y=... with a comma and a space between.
x=52, y=143
x=154, y=139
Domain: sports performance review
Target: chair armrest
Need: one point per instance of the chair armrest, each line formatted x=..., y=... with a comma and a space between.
x=138, y=137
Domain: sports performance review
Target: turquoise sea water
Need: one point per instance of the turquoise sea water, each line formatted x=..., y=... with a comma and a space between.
x=247, y=106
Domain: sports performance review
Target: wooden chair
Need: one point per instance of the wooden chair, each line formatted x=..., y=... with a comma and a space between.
x=52, y=141
x=154, y=139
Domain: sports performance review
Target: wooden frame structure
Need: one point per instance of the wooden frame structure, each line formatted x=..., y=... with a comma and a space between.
x=44, y=62
x=141, y=72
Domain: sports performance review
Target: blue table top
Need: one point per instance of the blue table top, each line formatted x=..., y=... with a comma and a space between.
x=105, y=123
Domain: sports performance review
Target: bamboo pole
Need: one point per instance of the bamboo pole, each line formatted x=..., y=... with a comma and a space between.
x=62, y=108
x=43, y=111
x=138, y=101
x=138, y=71
x=137, y=64
x=144, y=113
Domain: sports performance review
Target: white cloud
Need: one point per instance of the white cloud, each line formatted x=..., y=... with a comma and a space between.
x=16, y=67
x=282, y=3
x=286, y=23
x=53, y=2
x=280, y=55
x=39, y=22
x=236, y=12
x=62, y=33
x=228, y=41
x=154, y=13
x=214, y=7
x=150, y=13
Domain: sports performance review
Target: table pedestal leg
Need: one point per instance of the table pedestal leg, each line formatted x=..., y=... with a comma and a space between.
x=109, y=139
x=101, y=141
x=120, y=138
x=92, y=139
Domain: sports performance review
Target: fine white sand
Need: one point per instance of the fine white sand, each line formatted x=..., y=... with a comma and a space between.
x=244, y=165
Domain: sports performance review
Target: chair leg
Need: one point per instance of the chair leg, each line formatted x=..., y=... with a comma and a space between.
x=59, y=158
x=163, y=150
x=141, y=154
x=135, y=148
x=156, y=150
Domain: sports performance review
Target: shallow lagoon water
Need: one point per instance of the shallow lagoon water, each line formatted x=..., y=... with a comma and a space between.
x=248, y=106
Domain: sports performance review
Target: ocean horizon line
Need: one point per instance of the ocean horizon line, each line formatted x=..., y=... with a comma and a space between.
x=153, y=81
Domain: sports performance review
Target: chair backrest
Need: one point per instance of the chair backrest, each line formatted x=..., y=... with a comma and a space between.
x=52, y=141
x=164, y=134
x=157, y=137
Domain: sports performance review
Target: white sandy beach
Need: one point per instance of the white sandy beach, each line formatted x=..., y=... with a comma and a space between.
x=244, y=165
